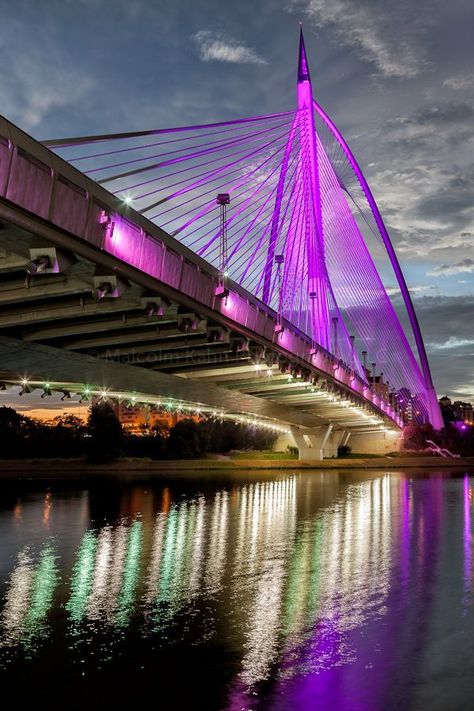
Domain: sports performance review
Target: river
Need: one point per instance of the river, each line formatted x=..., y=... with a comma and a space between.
x=240, y=591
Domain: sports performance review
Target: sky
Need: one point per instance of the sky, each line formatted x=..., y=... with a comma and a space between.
x=397, y=79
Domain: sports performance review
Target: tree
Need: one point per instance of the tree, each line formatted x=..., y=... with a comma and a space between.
x=20, y=436
x=106, y=434
x=415, y=436
x=69, y=421
x=187, y=440
x=11, y=423
x=151, y=445
x=66, y=435
x=226, y=435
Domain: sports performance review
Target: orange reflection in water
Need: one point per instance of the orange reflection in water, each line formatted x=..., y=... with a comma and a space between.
x=47, y=508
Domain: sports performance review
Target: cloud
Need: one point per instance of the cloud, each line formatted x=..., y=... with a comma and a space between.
x=461, y=81
x=369, y=28
x=39, y=80
x=215, y=46
x=446, y=325
x=451, y=115
x=442, y=317
x=395, y=290
x=465, y=265
x=423, y=181
x=454, y=342
x=44, y=87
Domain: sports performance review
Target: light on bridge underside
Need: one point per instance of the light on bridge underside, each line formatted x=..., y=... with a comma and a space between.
x=128, y=200
x=194, y=409
x=46, y=390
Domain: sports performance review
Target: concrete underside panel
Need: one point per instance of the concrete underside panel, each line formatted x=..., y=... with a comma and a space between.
x=18, y=358
x=376, y=442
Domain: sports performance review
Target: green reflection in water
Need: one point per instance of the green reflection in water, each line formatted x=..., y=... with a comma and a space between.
x=29, y=597
x=131, y=574
x=315, y=578
x=81, y=579
x=44, y=583
x=295, y=585
x=168, y=557
x=304, y=580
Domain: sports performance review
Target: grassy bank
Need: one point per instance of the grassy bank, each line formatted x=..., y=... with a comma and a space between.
x=74, y=468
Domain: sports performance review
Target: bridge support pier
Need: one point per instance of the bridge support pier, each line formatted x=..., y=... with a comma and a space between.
x=336, y=439
x=380, y=442
x=312, y=442
x=323, y=442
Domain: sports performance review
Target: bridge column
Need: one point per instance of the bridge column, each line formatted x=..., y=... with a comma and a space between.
x=311, y=442
x=334, y=442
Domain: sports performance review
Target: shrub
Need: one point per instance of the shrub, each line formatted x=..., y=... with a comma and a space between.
x=344, y=450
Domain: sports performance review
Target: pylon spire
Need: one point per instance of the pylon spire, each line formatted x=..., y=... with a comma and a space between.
x=303, y=69
x=317, y=273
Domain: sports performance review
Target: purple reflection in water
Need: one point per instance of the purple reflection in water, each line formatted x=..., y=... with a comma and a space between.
x=467, y=535
x=405, y=532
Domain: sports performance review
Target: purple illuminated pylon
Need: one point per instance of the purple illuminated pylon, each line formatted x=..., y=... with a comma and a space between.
x=266, y=294
x=299, y=233
x=305, y=239
x=317, y=272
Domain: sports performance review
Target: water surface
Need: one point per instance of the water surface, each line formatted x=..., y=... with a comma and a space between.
x=281, y=591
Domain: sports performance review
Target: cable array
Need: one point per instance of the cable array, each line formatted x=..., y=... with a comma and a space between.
x=172, y=176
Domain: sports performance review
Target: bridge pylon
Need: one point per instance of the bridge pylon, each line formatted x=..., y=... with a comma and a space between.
x=318, y=280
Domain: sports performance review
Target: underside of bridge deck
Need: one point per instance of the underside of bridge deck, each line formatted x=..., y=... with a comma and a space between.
x=78, y=321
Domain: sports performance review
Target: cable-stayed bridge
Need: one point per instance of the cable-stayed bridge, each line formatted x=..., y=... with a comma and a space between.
x=233, y=269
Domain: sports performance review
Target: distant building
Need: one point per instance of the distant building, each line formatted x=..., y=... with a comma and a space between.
x=457, y=411
x=463, y=411
x=405, y=403
x=137, y=418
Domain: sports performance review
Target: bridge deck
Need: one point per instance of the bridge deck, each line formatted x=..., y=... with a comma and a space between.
x=189, y=335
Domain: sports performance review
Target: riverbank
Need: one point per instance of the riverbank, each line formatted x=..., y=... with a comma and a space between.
x=73, y=468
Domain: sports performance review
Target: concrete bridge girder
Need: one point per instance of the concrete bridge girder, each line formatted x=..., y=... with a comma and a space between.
x=117, y=327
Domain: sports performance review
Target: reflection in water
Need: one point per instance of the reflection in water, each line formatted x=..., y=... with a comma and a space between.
x=468, y=498
x=309, y=581
x=47, y=508
x=18, y=598
x=29, y=596
x=130, y=574
x=82, y=577
x=272, y=519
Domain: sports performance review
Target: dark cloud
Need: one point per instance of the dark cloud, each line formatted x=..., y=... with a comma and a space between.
x=447, y=114
x=446, y=324
x=465, y=265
